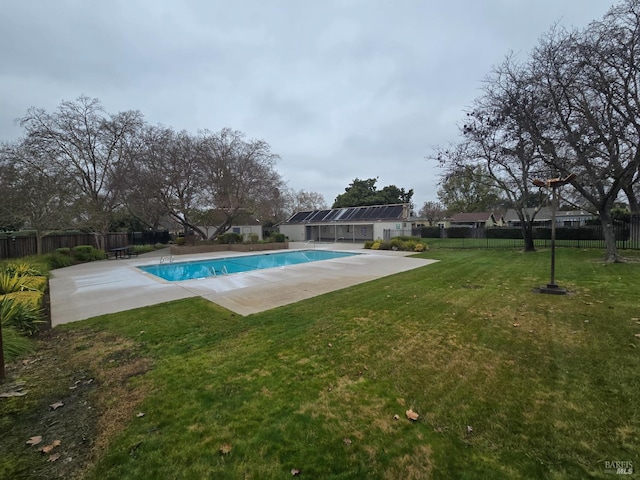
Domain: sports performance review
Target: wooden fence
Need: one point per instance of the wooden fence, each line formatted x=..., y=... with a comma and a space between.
x=22, y=246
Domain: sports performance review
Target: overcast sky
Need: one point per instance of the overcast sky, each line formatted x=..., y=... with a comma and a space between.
x=339, y=89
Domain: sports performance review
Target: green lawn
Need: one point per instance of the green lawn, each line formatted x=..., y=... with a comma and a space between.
x=507, y=383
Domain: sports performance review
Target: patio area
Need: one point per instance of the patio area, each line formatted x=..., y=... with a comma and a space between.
x=110, y=286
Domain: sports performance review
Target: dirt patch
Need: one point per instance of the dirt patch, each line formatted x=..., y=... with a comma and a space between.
x=80, y=392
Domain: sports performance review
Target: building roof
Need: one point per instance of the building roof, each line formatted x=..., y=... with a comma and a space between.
x=471, y=217
x=545, y=214
x=370, y=213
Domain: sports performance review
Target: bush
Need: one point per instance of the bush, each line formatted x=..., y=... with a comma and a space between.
x=23, y=316
x=459, y=232
x=368, y=244
x=22, y=269
x=143, y=248
x=375, y=245
x=14, y=344
x=180, y=241
x=506, y=233
x=420, y=247
x=58, y=260
x=229, y=238
x=385, y=245
x=277, y=237
x=10, y=283
x=87, y=253
x=63, y=251
x=430, y=232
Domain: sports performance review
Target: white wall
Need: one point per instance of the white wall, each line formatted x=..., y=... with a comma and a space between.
x=295, y=233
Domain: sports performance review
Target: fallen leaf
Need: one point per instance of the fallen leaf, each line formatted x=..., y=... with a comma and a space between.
x=330, y=345
x=54, y=457
x=48, y=448
x=516, y=324
x=469, y=429
x=396, y=417
x=12, y=394
x=34, y=440
x=347, y=441
x=411, y=415
x=55, y=406
x=295, y=471
x=140, y=414
x=637, y=335
x=225, y=449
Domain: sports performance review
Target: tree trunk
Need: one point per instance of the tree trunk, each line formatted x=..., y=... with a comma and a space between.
x=634, y=205
x=39, y=242
x=609, y=237
x=527, y=235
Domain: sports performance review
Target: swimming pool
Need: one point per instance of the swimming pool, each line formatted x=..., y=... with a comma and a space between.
x=177, y=271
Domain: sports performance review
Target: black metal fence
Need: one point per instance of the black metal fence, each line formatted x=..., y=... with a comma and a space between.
x=627, y=236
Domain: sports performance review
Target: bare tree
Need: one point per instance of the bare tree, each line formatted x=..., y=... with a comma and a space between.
x=432, y=212
x=589, y=85
x=302, y=200
x=187, y=176
x=168, y=179
x=39, y=191
x=494, y=138
x=91, y=148
x=239, y=175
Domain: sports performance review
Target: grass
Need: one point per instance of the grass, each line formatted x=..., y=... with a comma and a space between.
x=508, y=383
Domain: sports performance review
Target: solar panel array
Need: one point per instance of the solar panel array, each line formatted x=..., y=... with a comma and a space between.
x=350, y=214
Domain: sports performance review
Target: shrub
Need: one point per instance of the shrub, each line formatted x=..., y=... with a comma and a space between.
x=22, y=269
x=63, y=251
x=143, y=248
x=459, y=232
x=10, y=283
x=277, y=237
x=375, y=245
x=253, y=238
x=396, y=244
x=410, y=245
x=14, y=344
x=158, y=246
x=368, y=244
x=420, y=247
x=230, y=237
x=430, y=232
x=22, y=316
x=385, y=245
x=180, y=241
x=508, y=233
x=87, y=253
x=57, y=260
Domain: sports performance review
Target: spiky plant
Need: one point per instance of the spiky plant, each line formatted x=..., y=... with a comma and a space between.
x=12, y=282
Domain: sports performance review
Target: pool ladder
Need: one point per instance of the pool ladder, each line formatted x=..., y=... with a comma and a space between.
x=223, y=270
x=170, y=259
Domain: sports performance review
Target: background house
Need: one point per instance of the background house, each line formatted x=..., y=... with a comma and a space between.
x=475, y=220
x=564, y=218
x=243, y=224
x=351, y=224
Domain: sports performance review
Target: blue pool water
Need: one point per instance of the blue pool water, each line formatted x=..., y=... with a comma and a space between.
x=177, y=271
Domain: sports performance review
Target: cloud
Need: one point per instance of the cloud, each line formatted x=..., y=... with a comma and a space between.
x=340, y=89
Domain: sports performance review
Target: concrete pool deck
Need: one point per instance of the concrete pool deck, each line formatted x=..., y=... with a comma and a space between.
x=110, y=286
